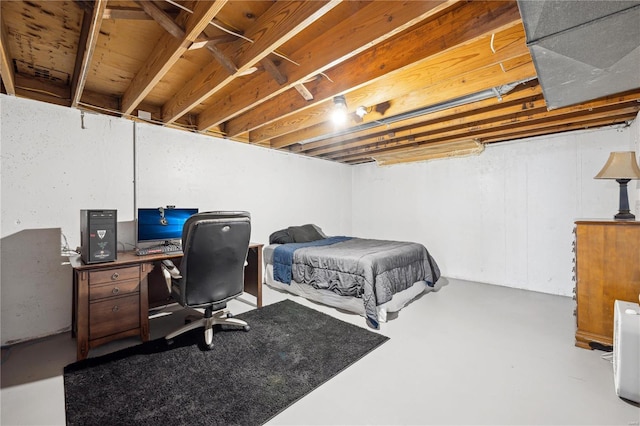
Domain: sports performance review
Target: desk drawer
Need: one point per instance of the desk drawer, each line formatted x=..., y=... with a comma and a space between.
x=114, y=275
x=114, y=315
x=118, y=288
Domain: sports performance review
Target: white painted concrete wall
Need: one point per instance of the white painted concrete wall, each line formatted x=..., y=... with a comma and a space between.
x=279, y=189
x=51, y=168
x=503, y=217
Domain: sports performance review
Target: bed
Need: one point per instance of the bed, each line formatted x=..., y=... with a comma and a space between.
x=370, y=277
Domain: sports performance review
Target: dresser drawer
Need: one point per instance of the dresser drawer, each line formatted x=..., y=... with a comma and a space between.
x=114, y=315
x=114, y=275
x=118, y=288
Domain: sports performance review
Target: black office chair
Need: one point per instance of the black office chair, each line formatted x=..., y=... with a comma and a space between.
x=215, y=246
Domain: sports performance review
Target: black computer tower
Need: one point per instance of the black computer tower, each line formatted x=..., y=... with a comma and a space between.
x=98, y=235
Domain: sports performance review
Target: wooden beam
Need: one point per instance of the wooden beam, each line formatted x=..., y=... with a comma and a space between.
x=162, y=18
x=6, y=62
x=100, y=102
x=276, y=26
x=373, y=24
x=273, y=70
x=168, y=51
x=40, y=90
x=85, y=5
x=304, y=92
x=499, y=126
x=91, y=23
x=222, y=58
x=203, y=42
x=433, y=132
x=443, y=67
x=431, y=151
x=432, y=123
x=129, y=13
x=587, y=123
x=582, y=121
x=449, y=46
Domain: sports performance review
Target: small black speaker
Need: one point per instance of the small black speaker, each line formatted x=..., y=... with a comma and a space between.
x=98, y=235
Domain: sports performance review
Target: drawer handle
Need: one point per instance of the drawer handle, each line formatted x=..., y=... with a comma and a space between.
x=115, y=309
x=115, y=276
x=115, y=290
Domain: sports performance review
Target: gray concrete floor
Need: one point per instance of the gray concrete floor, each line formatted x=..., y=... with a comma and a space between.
x=467, y=354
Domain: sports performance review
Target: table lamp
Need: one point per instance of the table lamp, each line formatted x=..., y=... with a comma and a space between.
x=621, y=166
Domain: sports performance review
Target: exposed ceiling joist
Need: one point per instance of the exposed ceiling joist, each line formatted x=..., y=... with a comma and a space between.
x=271, y=31
x=414, y=75
x=88, y=38
x=377, y=18
x=432, y=71
x=168, y=50
x=6, y=65
x=412, y=47
x=451, y=117
x=519, y=123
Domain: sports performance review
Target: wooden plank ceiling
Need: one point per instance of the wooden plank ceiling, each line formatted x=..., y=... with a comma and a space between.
x=424, y=76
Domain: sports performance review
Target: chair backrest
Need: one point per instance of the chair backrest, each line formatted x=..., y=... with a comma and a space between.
x=215, y=246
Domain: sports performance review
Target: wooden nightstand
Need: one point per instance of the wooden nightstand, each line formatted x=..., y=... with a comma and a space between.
x=110, y=301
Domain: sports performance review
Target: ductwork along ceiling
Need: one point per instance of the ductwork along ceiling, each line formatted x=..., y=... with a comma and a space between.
x=583, y=50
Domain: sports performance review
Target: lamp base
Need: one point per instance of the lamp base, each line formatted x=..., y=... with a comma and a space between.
x=624, y=212
x=625, y=216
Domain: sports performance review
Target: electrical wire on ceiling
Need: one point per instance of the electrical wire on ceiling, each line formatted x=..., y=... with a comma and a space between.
x=494, y=51
x=213, y=23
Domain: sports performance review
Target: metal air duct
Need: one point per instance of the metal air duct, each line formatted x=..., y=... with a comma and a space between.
x=583, y=49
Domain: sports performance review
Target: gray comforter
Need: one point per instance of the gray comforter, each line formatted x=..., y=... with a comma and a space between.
x=371, y=269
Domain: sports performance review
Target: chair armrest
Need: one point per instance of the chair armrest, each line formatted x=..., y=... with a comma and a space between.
x=170, y=272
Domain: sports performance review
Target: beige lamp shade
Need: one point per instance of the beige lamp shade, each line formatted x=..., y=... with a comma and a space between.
x=620, y=165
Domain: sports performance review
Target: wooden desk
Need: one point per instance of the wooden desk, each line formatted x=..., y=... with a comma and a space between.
x=111, y=300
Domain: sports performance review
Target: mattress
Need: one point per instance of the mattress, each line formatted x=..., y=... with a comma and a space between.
x=348, y=303
x=368, y=277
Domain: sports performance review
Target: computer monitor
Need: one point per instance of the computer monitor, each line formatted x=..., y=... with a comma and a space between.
x=162, y=224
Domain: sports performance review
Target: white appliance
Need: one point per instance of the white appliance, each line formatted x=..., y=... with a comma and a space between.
x=626, y=350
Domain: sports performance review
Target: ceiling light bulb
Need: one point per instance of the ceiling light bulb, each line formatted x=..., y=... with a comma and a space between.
x=339, y=113
x=339, y=117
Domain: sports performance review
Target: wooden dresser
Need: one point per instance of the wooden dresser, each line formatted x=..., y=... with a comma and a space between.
x=607, y=269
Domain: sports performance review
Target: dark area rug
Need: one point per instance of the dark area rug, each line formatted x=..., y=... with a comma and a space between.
x=246, y=379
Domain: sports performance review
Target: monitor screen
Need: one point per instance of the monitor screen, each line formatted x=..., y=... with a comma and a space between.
x=162, y=224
